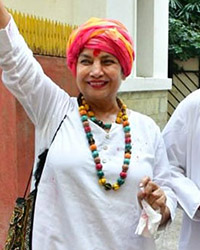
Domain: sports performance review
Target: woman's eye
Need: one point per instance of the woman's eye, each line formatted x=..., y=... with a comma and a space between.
x=108, y=62
x=85, y=61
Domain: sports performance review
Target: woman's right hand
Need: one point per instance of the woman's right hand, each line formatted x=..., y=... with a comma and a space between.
x=4, y=16
x=155, y=197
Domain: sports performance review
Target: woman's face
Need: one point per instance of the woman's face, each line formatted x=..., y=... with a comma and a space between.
x=98, y=75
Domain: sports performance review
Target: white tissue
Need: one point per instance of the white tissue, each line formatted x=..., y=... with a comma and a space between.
x=149, y=221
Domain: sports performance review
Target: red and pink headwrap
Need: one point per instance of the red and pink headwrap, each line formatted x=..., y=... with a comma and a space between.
x=106, y=35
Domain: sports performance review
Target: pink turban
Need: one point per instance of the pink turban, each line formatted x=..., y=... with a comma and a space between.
x=106, y=35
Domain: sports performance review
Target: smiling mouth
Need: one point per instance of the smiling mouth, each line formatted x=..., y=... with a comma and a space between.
x=97, y=84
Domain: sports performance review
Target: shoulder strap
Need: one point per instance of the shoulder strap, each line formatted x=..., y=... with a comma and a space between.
x=40, y=165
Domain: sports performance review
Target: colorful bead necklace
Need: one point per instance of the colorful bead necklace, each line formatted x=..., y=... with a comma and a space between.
x=86, y=113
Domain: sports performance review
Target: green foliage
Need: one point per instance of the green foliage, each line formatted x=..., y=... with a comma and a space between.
x=184, y=29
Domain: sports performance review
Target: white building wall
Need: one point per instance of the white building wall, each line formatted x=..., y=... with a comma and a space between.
x=145, y=38
x=84, y=9
x=127, y=14
x=64, y=11
x=160, y=48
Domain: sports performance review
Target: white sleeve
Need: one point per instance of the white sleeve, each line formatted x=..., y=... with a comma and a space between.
x=161, y=173
x=176, y=136
x=24, y=77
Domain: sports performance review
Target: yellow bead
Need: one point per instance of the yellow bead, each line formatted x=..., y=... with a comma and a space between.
x=125, y=117
x=87, y=107
x=118, y=120
x=102, y=181
x=120, y=114
x=115, y=186
x=81, y=108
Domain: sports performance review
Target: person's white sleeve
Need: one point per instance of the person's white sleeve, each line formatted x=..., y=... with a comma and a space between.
x=161, y=174
x=175, y=136
x=24, y=77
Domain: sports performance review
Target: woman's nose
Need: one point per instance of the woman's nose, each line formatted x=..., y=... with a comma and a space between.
x=96, y=69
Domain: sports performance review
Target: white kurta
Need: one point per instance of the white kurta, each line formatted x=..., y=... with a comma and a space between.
x=72, y=211
x=182, y=139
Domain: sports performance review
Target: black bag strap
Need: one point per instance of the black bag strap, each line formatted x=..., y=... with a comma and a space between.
x=40, y=165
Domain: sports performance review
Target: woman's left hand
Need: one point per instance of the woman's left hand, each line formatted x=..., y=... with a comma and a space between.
x=155, y=197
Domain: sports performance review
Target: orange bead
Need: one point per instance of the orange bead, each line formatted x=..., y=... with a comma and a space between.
x=127, y=155
x=83, y=112
x=90, y=113
x=126, y=123
x=93, y=147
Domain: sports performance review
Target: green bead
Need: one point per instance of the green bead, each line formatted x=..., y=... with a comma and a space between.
x=120, y=181
x=127, y=129
x=128, y=146
x=84, y=118
x=126, y=161
x=95, y=154
x=89, y=135
x=93, y=118
x=107, y=125
x=100, y=174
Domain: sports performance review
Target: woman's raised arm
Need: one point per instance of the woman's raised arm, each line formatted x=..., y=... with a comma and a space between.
x=4, y=16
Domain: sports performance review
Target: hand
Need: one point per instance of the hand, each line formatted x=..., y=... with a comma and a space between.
x=4, y=16
x=155, y=197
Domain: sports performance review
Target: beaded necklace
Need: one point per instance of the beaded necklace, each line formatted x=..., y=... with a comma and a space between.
x=122, y=118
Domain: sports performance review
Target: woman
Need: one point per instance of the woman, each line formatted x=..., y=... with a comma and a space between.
x=89, y=190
